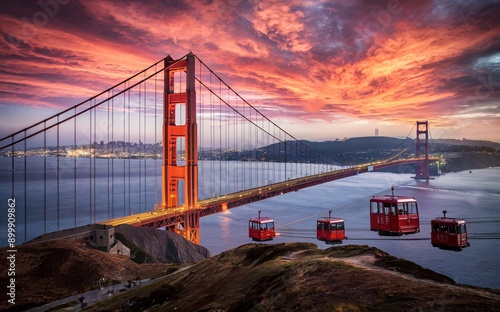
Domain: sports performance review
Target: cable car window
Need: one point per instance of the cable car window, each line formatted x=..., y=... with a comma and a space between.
x=393, y=210
x=401, y=208
x=255, y=226
x=435, y=228
x=463, y=229
x=412, y=208
x=320, y=226
x=386, y=208
x=333, y=226
x=453, y=229
x=271, y=225
x=340, y=226
x=374, y=207
x=263, y=226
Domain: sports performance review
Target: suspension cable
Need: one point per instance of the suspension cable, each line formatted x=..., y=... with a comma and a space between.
x=256, y=110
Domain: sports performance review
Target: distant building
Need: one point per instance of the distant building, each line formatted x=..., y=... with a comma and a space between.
x=98, y=236
x=376, y=132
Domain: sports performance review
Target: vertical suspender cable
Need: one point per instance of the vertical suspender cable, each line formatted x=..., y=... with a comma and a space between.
x=220, y=140
x=110, y=211
x=276, y=156
x=155, y=143
x=236, y=143
x=241, y=147
x=13, y=168
x=200, y=127
x=201, y=142
x=265, y=165
x=227, y=145
x=74, y=169
x=124, y=143
x=140, y=152
x=311, y=169
x=128, y=150
x=257, y=150
x=212, y=140
x=45, y=178
x=95, y=180
x=268, y=143
x=297, y=159
x=57, y=172
x=144, y=144
x=90, y=164
x=25, y=191
x=113, y=155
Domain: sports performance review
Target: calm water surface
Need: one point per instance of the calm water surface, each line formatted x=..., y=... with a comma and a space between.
x=473, y=196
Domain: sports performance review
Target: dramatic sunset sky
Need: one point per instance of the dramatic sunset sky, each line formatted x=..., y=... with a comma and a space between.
x=330, y=68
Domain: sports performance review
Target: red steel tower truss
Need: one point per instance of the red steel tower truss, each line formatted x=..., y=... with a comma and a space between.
x=180, y=76
x=422, y=150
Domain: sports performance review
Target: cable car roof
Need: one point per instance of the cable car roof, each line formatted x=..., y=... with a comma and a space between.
x=390, y=198
x=261, y=220
x=448, y=220
x=330, y=219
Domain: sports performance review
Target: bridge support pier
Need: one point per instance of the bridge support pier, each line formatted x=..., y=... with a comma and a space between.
x=189, y=227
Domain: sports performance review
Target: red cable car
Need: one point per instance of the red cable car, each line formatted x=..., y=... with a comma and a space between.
x=330, y=229
x=449, y=233
x=261, y=228
x=394, y=215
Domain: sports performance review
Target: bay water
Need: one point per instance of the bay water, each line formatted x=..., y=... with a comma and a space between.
x=472, y=195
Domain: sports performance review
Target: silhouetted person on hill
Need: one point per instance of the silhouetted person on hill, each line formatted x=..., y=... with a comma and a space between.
x=83, y=302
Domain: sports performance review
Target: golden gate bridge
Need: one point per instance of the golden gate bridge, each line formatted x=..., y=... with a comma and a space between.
x=189, y=125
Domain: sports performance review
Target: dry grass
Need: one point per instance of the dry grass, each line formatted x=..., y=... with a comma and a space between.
x=300, y=277
x=52, y=270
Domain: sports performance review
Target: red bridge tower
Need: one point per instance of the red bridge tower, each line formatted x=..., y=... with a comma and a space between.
x=422, y=150
x=181, y=103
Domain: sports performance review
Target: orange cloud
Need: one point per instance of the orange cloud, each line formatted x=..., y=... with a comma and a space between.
x=320, y=61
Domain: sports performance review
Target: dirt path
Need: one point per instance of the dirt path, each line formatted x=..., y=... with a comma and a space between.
x=368, y=262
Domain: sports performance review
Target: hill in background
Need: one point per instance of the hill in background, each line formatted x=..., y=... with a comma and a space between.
x=459, y=154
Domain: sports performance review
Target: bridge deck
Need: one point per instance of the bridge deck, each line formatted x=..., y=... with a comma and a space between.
x=171, y=216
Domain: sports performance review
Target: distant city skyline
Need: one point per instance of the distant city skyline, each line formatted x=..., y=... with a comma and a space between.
x=321, y=70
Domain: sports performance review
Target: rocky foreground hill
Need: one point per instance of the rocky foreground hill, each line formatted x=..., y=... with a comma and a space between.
x=148, y=245
x=55, y=269
x=301, y=277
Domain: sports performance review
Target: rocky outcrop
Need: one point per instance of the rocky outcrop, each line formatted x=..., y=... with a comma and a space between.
x=148, y=245
x=55, y=269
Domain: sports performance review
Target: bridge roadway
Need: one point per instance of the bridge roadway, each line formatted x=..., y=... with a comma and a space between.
x=172, y=216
